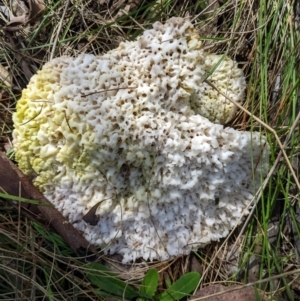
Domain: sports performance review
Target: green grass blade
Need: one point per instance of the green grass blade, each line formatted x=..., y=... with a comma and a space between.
x=106, y=280
x=20, y=199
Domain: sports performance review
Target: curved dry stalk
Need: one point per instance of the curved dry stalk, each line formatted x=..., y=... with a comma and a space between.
x=264, y=184
x=258, y=194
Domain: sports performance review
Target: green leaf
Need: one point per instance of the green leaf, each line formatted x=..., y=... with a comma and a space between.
x=181, y=288
x=168, y=281
x=149, y=283
x=108, y=281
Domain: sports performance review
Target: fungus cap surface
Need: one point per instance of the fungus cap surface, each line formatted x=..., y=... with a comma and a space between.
x=120, y=130
x=225, y=75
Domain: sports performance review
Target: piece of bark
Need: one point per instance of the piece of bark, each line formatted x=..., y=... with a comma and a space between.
x=14, y=182
x=91, y=217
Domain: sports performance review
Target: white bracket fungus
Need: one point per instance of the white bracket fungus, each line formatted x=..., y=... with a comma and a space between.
x=126, y=137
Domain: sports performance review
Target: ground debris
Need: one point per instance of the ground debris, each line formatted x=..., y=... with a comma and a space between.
x=243, y=294
x=25, y=12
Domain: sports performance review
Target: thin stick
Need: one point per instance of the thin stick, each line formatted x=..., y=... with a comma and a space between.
x=58, y=30
x=258, y=194
x=33, y=116
x=102, y=91
x=67, y=121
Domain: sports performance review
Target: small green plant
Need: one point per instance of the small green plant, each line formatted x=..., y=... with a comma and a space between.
x=110, y=284
x=149, y=285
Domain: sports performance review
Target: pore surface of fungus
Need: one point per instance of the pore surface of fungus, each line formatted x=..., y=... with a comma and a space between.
x=121, y=145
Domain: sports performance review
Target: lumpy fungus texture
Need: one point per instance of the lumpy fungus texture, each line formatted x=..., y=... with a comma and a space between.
x=137, y=136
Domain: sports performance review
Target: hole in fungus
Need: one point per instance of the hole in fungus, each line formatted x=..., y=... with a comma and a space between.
x=144, y=95
x=59, y=135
